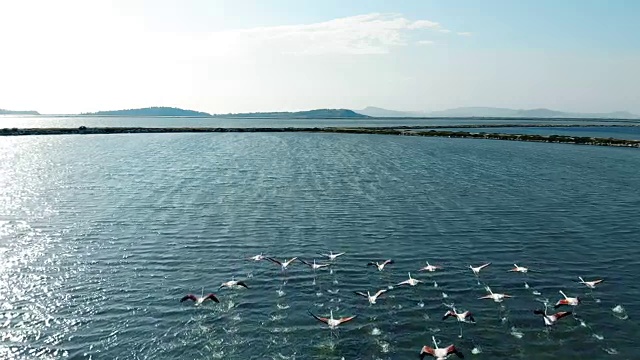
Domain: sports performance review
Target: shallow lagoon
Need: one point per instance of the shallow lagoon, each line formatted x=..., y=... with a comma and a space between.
x=102, y=235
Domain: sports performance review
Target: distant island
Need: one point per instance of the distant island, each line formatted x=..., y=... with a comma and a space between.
x=368, y=112
x=13, y=112
x=309, y=114
x=492, y=112
x=151, y=111
x=171, y=111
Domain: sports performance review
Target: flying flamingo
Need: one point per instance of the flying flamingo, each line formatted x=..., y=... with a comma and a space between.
x=333, y=323
x=439, y=353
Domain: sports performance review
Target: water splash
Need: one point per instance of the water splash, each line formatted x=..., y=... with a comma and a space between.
x=376, y=332
x=476, y=350
x=435, y=284
x=610, y=351
x=597, y=336
x=277, y=317
x=526, y=286
x=283, y=306
x=384, y=346
x=620, y=312
x=516, y=332
x=445, y=295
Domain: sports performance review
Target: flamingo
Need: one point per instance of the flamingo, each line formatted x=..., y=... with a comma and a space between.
x=550, y=320
x=333, y=323
x=258, y=257
x=590, y=284
x=372, y=298
x=495, y=296
x=430, y=268
x=233, y=284
x=520, y=269
x=461, y=317
x=476, y=270
x=199, y=300
x=410, y=281
x=439, y=353
x=331, y=256
x=284, y=264
x=313, y=265
x=379, y=265
x=571, y=301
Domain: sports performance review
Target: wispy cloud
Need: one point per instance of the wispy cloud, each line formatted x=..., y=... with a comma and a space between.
x=362, y=34
x=445, y=31
x=425, y=42
x=464, y=33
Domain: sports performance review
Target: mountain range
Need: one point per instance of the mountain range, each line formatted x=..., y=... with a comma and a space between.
x=370, y=111
x=495, y=112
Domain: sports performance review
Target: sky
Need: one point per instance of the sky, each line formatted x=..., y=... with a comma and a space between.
x=229, y=56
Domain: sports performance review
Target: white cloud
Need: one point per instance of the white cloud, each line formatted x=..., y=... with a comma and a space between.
x=424, y=24
x=445, y=31
x=94, y=65
x=464, y=33
x=361, y=34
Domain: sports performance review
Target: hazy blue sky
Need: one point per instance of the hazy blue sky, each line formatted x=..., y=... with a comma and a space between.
x=257, y=55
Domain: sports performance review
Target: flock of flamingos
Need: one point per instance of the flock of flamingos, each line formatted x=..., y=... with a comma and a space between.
x=436, y=352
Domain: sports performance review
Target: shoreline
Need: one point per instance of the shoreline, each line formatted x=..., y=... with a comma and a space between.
x=400, y=130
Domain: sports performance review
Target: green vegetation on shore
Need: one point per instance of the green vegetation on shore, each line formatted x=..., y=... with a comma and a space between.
x=353, y=130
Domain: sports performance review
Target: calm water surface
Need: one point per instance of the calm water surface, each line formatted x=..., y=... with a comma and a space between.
x=101, y=235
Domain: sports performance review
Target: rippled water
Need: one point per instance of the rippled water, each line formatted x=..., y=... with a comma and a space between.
x=10, y=121
x=100, y=237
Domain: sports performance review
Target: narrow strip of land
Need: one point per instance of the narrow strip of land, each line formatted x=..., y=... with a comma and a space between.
x=406, y=131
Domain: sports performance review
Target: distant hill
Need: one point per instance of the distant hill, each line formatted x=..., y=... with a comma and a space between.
x=310, y=114
x=380, y=112
x=13, y=112
x=496, y=112
x=528, y=113
x=152, y=111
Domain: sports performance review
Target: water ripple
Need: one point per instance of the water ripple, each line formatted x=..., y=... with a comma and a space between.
x=101, y=236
